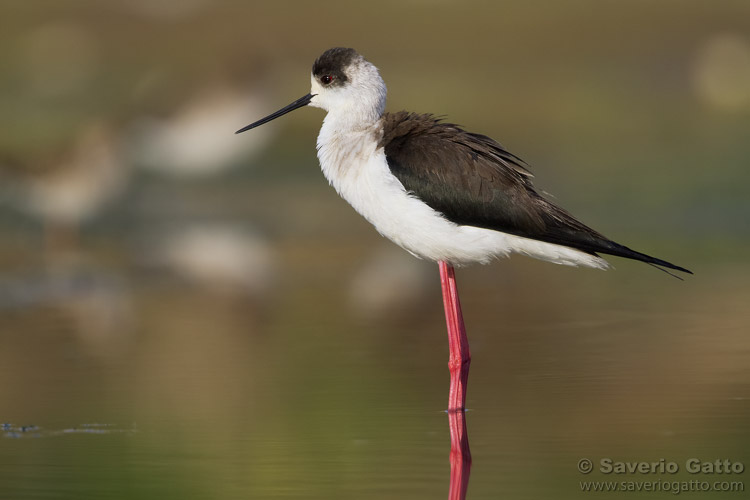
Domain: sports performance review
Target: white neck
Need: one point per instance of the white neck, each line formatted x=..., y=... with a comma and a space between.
x=351, y=129
x=344, y=143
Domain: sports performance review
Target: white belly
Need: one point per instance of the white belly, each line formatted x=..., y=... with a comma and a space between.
x=359, y=172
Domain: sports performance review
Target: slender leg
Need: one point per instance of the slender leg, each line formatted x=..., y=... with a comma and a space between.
x=459, y=356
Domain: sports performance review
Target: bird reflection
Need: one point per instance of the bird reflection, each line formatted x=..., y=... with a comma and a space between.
x=460, y=456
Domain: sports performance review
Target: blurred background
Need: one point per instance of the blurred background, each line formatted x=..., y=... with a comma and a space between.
x=186, y=312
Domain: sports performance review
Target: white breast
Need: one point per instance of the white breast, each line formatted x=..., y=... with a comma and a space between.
x=358, y=170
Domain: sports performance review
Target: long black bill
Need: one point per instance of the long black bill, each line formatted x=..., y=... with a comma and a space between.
x=302, y=101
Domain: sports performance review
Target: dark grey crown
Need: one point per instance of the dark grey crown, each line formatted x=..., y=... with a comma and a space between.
x=333, y=62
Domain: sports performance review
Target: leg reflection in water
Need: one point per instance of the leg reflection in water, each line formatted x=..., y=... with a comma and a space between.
x=460, y=456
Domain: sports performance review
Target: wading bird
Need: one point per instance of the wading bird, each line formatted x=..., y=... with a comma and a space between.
x=438, y=191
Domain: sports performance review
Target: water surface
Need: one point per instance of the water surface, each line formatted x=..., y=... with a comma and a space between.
x=142, y=386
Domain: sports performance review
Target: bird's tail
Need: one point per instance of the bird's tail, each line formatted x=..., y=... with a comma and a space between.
x=612, y=248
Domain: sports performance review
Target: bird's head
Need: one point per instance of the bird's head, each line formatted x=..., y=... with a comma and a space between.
x=342, y=83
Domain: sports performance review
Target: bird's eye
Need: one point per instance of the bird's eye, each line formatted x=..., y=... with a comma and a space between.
x=326, y=79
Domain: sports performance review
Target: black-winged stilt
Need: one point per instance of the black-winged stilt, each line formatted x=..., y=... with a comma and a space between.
x=439, y=192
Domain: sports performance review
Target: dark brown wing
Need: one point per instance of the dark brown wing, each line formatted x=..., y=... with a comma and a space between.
x=472, y=180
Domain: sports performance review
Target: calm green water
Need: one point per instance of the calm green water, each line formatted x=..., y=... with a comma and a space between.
x=141, y=386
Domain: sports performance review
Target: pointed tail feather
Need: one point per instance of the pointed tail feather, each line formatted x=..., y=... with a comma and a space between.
x=612, y=248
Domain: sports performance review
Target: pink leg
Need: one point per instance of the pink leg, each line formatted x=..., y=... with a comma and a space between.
x=460, y=457
x=459, y=356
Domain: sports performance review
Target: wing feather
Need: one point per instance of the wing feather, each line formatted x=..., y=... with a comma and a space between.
x=473, y=180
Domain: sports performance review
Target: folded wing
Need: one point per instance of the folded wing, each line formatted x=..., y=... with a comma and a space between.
x=472, y=180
